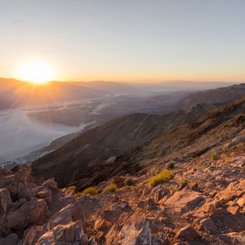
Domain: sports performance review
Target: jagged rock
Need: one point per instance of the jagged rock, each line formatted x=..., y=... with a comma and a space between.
x=158, y=193
x=32, y=235
x=183, y=201
x=137, y=229
x=26, y=212
x=71, y=233
x=50, y=183
x=24, y=191
x=208, y=225
x=234, y=190
x=68, y=214
x=237, y=238
x=11, y=239
x=233, y=209
x=45, y=194
x=5, y=200
x=241, y=201
x=187, y=233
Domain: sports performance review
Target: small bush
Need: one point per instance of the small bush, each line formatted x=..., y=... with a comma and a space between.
x=111, y=187
x=128, y=182
x=184, y=183
x=215, y=156
x=170, y=165
x=91, y=191
x=164, y=176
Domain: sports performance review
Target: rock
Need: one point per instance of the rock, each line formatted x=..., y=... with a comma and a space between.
x=237, y=238
x=5, y=200
x=158, y=193
x=187, y=233
x=24, y=191
x=50, y=183
x=45, y=194
x=71, y=233
x=25, y=213
x=32, y=235
x=233, y=191
x=233, y=209
x=208, y=225
x=194, y=186
x=66, y=215
x=137, y=229
x=183, y=201
x=241, y=201
x=11, y=239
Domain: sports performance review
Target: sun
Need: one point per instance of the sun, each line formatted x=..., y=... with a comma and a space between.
x=36, y=72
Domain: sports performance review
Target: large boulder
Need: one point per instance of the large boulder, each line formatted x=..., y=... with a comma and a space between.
x=26, y=212
x=136, y=230
x=183, y=201
x=11, y=239
x=187, y=233
x=5, y=200
x=71, y=233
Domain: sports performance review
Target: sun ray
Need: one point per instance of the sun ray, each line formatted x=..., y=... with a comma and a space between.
x=36, y=72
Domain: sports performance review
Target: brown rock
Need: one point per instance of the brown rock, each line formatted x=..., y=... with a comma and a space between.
x=50, y=183
x=45, y=194
x=241, y=201
x=208, y=225
x=237, y=238
x=233, y=209
x=25, y=212
x=12, y=239
x=32, y=235
x=68, y=214
x=183, y=201
x=65, y=234
x=158, y=193
x=5, y=200
x=187, y=233
x=136, y=230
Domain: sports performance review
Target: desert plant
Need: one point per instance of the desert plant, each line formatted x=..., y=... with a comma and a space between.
x=164, y=176
x=170, y=165
x=128, y=182
x=111, y=187
x=184, y=183
x=215, y=156
x=91, y=191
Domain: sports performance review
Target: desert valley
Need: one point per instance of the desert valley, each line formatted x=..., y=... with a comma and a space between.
x=122, y=122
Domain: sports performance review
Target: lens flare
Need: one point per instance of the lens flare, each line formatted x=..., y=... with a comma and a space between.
x=36, y=72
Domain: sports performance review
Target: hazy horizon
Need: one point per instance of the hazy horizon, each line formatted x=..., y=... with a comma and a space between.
x=123, y=40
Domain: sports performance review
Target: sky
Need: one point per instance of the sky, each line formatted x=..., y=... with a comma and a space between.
x=125, y=40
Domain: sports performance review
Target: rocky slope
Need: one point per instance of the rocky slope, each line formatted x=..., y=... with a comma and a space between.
x=99, y=145
x=203, y=203
x=184, y=185
x=134, y=141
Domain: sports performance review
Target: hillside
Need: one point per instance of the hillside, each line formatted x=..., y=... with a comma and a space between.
x=146, y=136
x=212, y=96
x=183, y=186
x=95, y=147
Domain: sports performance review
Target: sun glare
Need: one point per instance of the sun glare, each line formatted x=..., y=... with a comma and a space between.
x=36, y=72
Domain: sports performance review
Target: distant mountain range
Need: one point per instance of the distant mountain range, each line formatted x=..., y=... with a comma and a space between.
x=14, y=93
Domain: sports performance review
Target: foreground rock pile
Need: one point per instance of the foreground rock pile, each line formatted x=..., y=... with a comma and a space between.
x=203, y=204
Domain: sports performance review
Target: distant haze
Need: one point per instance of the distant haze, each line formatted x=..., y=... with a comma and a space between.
x=126, y=40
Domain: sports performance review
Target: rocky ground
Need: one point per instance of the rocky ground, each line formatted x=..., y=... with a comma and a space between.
x=204, y=203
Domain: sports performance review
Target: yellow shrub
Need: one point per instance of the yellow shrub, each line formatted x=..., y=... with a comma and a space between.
x=164, y=176
x=111, y=187
x=91, y=191
x=215, y=156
